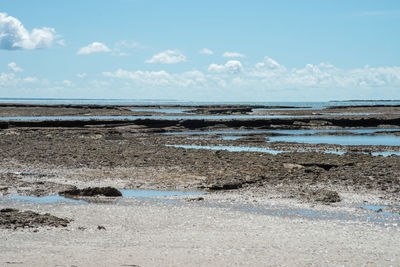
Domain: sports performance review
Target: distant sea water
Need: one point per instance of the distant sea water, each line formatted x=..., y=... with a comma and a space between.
x=144, y=102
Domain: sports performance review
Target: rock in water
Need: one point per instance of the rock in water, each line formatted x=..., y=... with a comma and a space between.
x=93, y=191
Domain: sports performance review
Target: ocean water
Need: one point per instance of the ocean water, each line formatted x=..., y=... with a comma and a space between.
x=142, y=102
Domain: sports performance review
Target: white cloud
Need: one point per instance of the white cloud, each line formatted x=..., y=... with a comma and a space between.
x=231, y=66
x=95, y=47
x=13, y=66
x=206, y=51
x=81, y=75
x=233, y=54
x=270, y=64
x=160, y=78
x=168, y=57
x=13, y=35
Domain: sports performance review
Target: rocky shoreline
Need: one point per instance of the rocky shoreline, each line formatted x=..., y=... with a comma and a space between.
x=110, y=146
x=46, y=157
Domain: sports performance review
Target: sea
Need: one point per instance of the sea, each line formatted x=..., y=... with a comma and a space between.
x=171, y=102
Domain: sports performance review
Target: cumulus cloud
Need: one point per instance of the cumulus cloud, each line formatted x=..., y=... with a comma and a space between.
x=233, y=54
x=168, y=57
x=160, y=78
x=231, y=66
x=13, y=35
x=272, y=80
x=13, y=67
x=269, y=63
x=206, y=51
x=95, y=47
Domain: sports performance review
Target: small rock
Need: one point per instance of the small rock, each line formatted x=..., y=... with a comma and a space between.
x=226, y=186
x=8, y=210
x=196, y=199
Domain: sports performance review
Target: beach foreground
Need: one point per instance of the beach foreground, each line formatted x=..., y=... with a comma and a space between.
x=215, y=232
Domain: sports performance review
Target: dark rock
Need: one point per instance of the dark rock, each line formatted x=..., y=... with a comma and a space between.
x=226, y=186
x=324, y=166
x=8, y=210
x=93, y=191
x=196, y=199
x=15, y=219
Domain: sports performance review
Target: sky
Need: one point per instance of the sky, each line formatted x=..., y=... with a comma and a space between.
x=225, y=50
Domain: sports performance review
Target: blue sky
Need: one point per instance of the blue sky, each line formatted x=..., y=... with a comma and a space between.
x=201, y=50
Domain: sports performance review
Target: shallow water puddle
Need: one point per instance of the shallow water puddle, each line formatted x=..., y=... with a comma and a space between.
x=39, y=200
x=218, y=132
x=166, y=111
x=231, y=148
x=159, y=193
x=347, y=140
x=84, y=200
x=379, y=209
x=312, y=131
x=292, y=132
x=226, y=138
x=275, y=152
x=379, y=218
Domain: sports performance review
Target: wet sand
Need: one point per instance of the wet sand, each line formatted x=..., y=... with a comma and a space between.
x=46, y=157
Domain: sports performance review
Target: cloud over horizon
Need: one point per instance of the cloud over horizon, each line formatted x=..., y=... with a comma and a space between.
x=168, y=57
x=14, y=36
x=323, y=81
x=231, y=66
x=95, y=47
